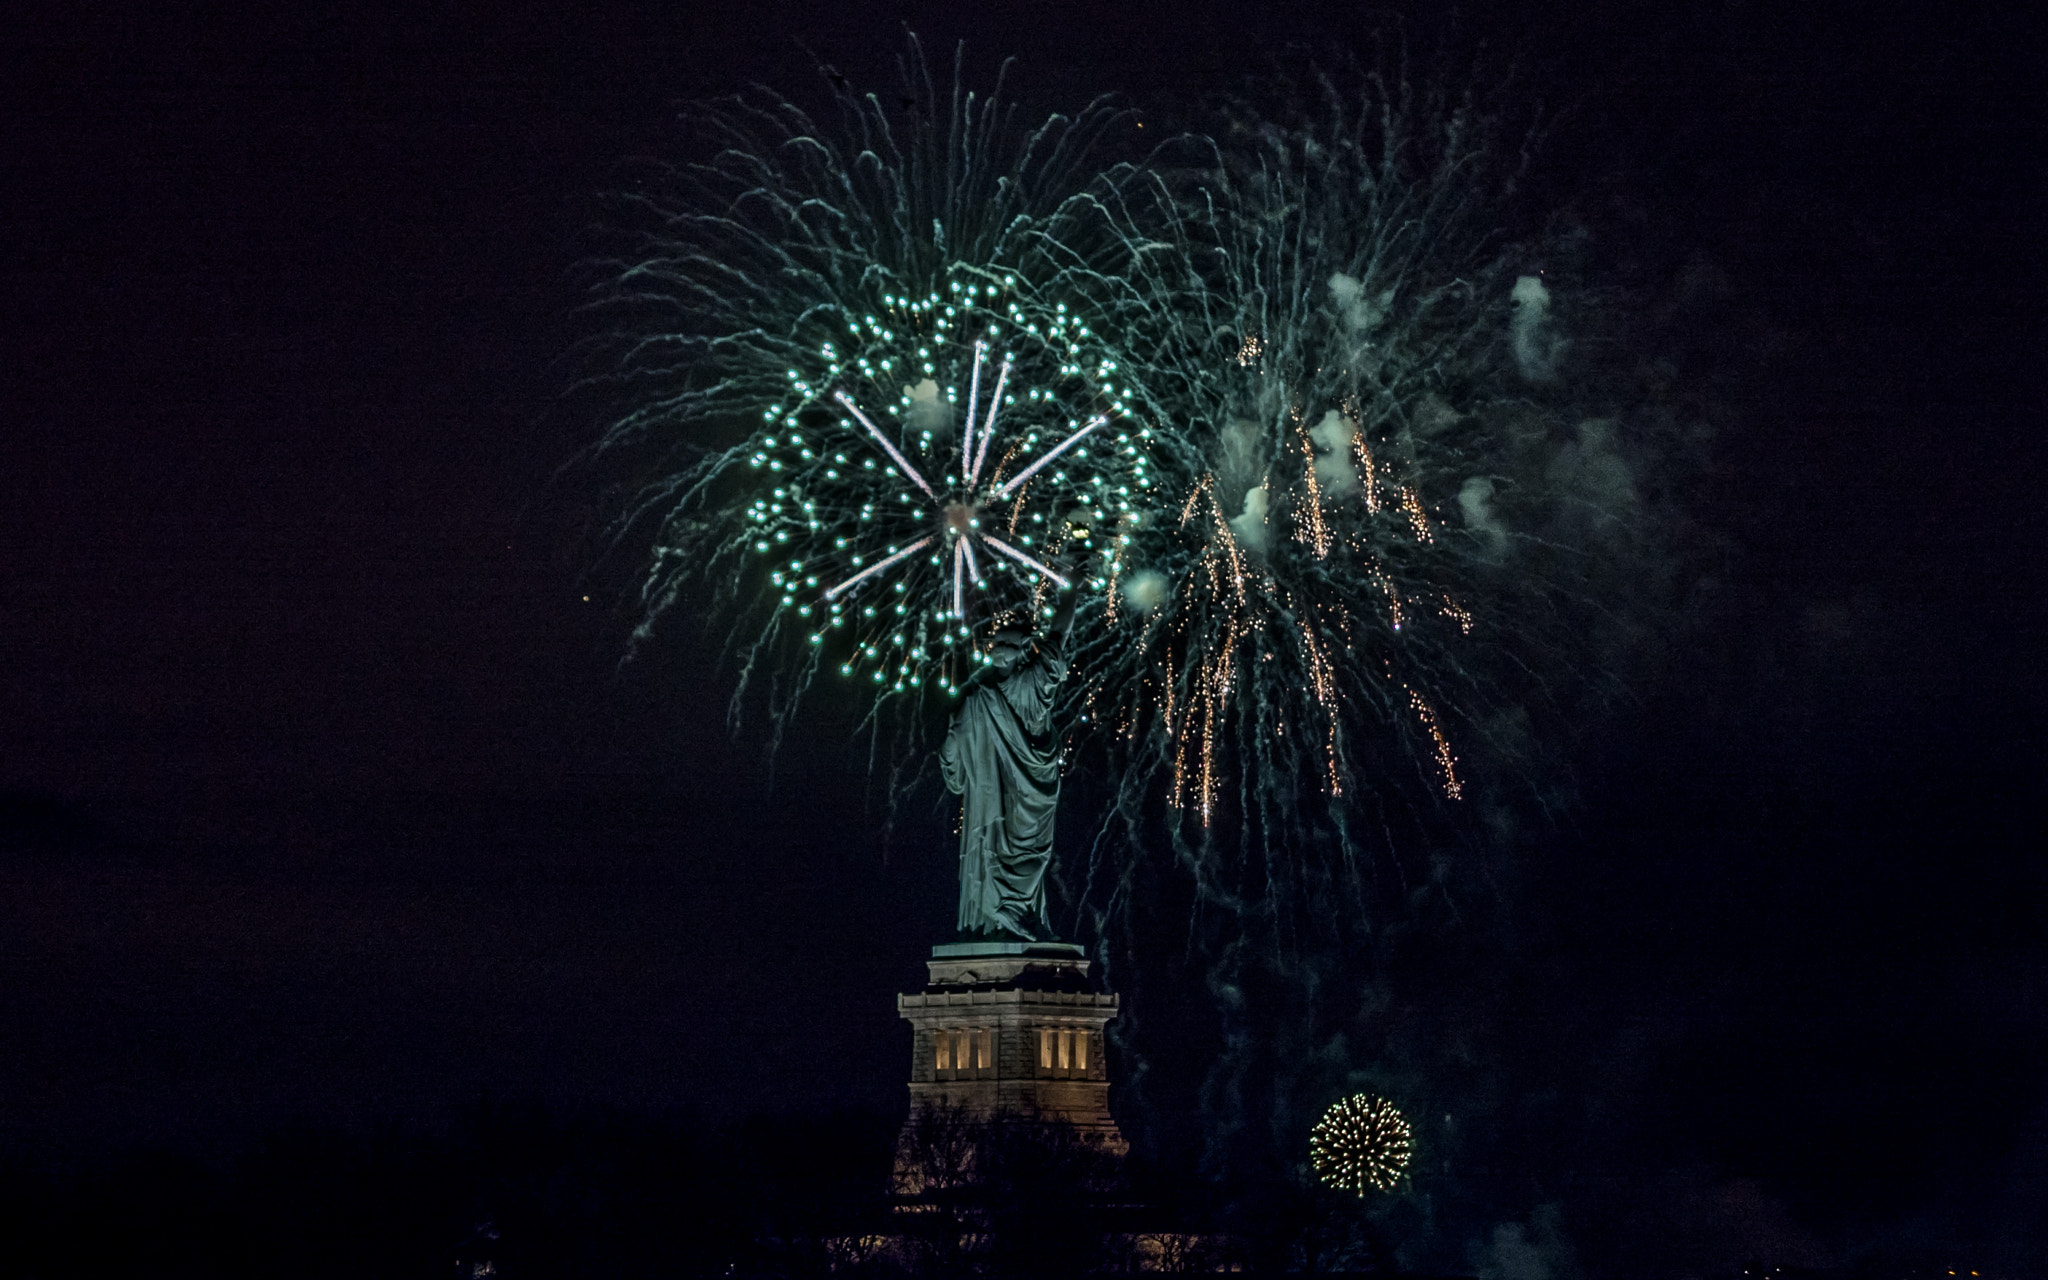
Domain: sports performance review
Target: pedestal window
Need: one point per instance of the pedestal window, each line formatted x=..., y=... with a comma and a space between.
x=964, y=1053
x=1062, y=1051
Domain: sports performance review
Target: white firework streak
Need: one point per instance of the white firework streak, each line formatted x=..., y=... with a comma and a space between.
x=973, y=401
x=988, y=429
x=1050, y=454
x=877, y=567
x=1021, y=558
x=890, y=449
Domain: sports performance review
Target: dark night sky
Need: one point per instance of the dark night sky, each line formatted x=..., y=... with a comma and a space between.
x=325, y=801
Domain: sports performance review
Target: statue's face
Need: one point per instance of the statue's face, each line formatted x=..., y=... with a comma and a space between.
x=1005, y=653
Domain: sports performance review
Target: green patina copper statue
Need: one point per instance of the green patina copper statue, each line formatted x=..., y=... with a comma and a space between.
x=1001, y=758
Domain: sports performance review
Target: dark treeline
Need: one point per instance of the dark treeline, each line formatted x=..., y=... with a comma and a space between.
x=505, y=1191
x=518, y=1191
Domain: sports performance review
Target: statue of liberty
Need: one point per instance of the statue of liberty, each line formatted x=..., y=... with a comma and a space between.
x=1001, y=757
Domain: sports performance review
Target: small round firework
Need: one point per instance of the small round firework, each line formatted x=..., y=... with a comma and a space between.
x=1362, y=1141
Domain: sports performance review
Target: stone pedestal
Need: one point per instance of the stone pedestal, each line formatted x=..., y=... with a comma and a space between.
x=1011, y=1031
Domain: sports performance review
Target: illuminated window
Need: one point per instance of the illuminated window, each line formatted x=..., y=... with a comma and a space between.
x=963, y=1053
x=1063, y=1051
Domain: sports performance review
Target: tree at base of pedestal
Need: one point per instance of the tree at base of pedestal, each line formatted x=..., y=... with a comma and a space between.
x=1008, y=1197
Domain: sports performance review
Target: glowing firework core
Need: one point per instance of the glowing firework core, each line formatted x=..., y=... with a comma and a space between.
x=962, y=518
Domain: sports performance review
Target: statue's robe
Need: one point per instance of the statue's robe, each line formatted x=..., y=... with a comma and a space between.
x=1002, y=758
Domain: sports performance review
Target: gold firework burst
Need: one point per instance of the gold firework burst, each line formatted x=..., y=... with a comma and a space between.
x=1362, y=1141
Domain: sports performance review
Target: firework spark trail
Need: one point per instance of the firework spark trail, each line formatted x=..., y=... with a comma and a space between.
x=1317, y=320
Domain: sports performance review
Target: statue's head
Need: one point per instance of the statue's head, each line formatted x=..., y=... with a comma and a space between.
x=1007, y=646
